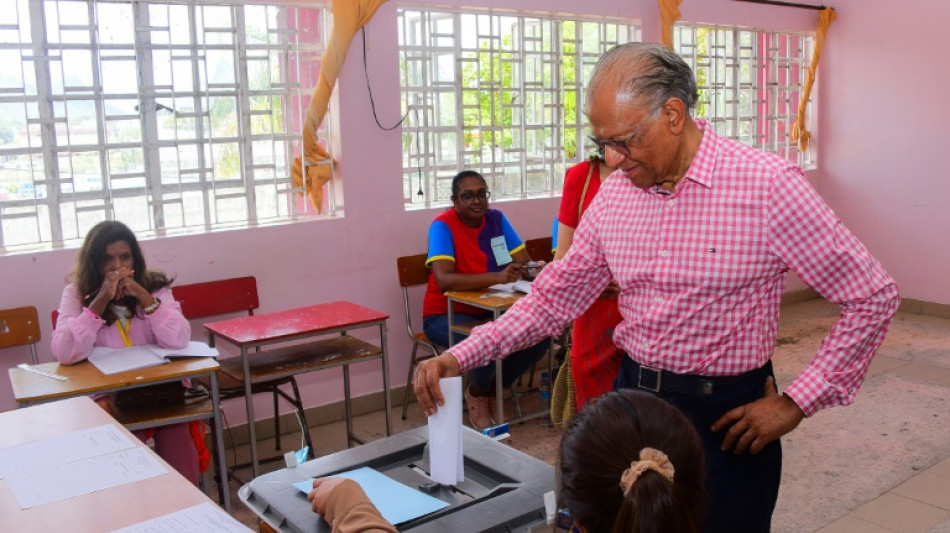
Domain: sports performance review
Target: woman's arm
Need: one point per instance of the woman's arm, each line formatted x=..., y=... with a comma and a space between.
x=169, y=326
x=344, y=505
x=565, y=237
x=76, y=329
x=450, y=280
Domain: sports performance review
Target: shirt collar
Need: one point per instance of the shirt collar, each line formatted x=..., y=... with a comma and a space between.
x=704, y=160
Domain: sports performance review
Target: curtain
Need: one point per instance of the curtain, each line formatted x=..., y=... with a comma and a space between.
x=669, y=14
x=348, y=17
x=800, y=133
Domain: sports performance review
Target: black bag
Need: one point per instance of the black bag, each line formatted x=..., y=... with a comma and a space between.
x=170, y=393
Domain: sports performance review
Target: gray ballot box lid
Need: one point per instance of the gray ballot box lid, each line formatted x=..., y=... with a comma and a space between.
x=503, y=488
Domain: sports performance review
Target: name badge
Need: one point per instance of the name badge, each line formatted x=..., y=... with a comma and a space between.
x=500, y=248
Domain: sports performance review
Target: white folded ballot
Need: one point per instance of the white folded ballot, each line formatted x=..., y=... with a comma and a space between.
x=521, y=285
x=115, y=360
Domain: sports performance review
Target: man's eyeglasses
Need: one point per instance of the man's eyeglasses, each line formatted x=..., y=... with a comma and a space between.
x=621, y=147
x=468, y=197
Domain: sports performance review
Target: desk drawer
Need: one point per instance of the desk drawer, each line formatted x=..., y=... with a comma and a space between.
x=142, y=417
x=299, y=358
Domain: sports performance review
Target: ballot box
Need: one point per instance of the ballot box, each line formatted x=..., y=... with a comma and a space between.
x=503, y=488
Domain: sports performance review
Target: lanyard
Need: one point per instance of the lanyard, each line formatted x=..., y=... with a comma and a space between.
x=124, y=331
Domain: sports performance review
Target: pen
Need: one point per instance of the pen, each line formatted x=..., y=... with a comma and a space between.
x=29, y=368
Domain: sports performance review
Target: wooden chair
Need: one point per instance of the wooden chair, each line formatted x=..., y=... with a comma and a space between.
x=413, y=272
x=539, y=249
x=20, y=326
x=236, y=295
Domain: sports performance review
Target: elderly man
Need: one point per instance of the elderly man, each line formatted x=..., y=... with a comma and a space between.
x=700, y=237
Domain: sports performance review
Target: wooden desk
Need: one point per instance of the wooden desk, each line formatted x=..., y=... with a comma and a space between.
x=96, y=512
x=86, y=379
x=300, y=326
x=492, y=302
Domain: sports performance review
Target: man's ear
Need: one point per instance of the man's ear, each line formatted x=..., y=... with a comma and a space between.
x=674, y=113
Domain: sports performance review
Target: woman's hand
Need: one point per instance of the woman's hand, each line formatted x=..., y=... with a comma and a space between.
x=511, y=273
x=129, y=287
x=532, y=269
x=320, y=495
x=110, y=288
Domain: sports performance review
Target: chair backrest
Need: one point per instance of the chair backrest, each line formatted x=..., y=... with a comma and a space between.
x=539, y=249
x=217, y=297
x=20, y=326
x=412, y=272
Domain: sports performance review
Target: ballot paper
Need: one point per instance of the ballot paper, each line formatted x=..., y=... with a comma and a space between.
x=205, y=517
x=446, y=462
x=39, y=487
x=397, y=503
x=509, y=289
x=62, y=449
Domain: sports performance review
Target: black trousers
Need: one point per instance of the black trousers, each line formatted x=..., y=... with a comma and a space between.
x=741, y=489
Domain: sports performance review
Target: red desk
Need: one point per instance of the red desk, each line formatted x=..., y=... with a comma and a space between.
x=295, y=330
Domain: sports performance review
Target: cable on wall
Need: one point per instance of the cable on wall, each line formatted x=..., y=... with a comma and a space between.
x=370, y=90
x=786, y=4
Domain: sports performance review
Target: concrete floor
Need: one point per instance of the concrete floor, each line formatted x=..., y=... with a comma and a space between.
x=880, y=465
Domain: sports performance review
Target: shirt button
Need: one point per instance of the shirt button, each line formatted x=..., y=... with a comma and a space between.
x=671, y=202
x=663, y=253
x=646, y=346
x=658, y=300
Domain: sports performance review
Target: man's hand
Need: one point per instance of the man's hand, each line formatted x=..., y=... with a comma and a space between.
x=758, y=423
x=426, y=381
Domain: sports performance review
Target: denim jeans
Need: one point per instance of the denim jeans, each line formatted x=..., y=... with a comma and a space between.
x=436, y=327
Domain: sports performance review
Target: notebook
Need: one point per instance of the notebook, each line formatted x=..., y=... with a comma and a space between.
x=115, y=360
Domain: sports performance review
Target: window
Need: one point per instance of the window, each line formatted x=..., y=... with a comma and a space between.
x=750, y=83
x=169, y=116
x=499, y=94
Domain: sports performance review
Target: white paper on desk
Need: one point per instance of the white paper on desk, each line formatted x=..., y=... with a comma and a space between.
x=194, y=349
x=83, y=477
x=522, y=285
x=205, y=517
x=115, y=360
x=446, y=461
x=62, y=449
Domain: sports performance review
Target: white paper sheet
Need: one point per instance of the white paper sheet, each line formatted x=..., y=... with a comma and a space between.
x=446, y=463
x=114, y=360
x=205, y=517
x=62, y=449
x=83, y=477
x=508, y=289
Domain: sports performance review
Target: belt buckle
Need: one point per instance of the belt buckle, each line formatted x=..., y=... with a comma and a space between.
x=655, y=372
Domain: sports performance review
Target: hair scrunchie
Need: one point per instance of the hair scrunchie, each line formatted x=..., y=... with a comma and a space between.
x=650, y=459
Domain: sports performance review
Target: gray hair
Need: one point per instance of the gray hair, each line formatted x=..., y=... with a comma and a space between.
x=645, y=70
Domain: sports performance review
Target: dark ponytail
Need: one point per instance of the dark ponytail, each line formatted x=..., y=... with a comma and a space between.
x=604, y=440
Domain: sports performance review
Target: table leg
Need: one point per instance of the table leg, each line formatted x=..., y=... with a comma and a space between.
x=249, y=403
x=387, y=400
x=224, y=492
x=347, y=408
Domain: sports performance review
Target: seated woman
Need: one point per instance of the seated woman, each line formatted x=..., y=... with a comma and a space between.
x=114, y=301
x=472, y=247
x=629, y=462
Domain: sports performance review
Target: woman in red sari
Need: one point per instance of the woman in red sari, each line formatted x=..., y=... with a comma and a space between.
x=595, y=361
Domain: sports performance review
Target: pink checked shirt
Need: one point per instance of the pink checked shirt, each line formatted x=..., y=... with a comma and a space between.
x=702, y=272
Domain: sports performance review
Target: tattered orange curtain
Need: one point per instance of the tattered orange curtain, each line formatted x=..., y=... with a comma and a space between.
x=800, y=133
x=348, y=17
x=669, y=14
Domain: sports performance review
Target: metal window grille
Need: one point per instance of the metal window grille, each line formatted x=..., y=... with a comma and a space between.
x=750, y=83
x=169, y=116
x=500, y=94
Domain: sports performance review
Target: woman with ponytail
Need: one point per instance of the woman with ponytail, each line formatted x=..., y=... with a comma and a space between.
x=630, y=462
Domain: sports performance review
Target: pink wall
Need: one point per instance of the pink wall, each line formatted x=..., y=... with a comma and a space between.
x=353, y=257
x=884, y=84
